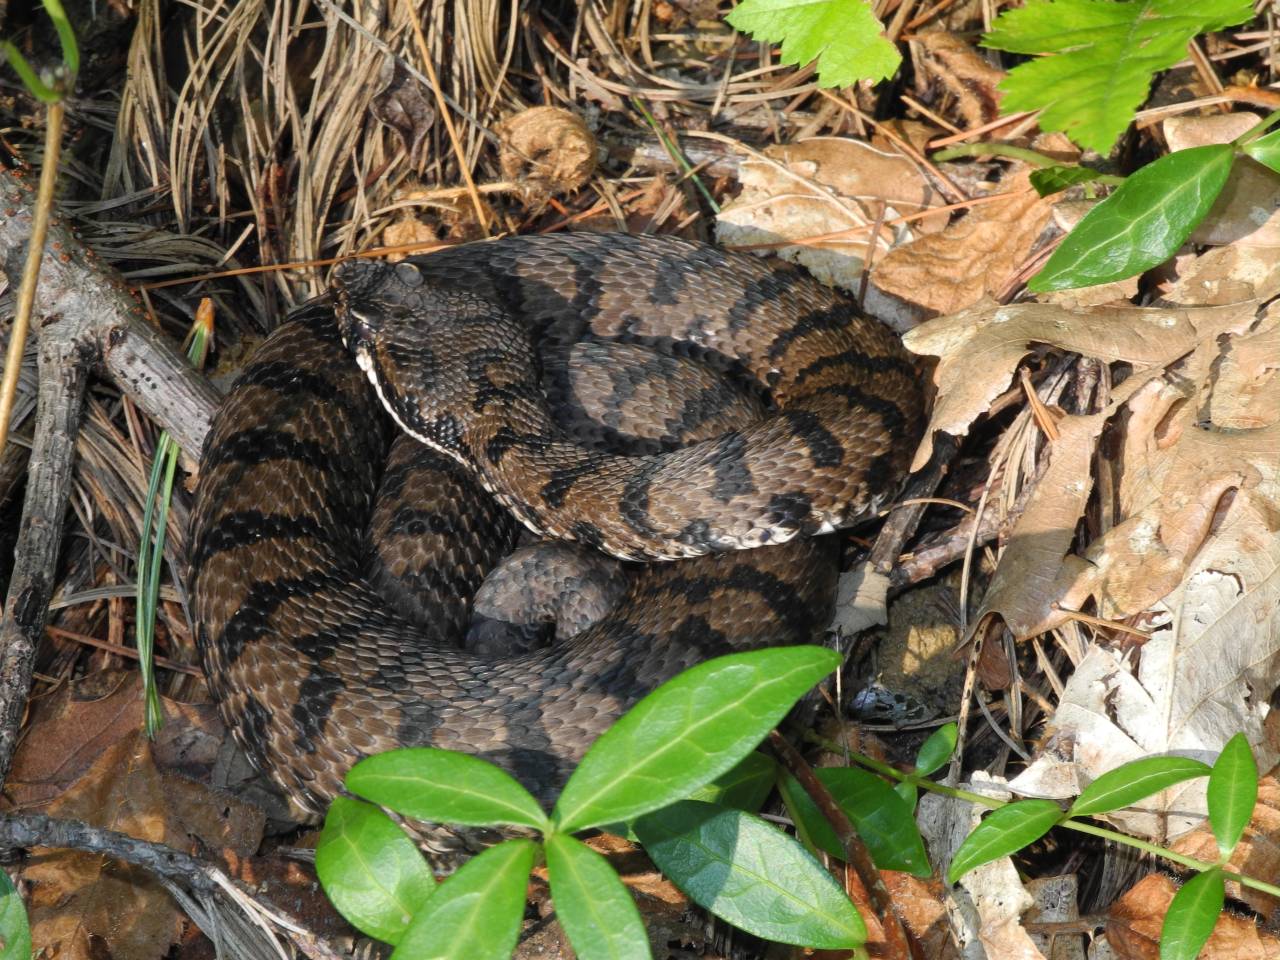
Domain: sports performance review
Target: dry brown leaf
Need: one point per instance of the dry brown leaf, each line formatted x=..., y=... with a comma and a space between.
x=1133, y=927
x=550, y=151
x=968, y=80
x=1247, y=394
x=1256, y=855
x=981, y=347
x=82, y=903
x=828, y=185
x=974, y=257
x=1035, y=571
x=68, y=731
x=921, y=906
x=1056, y=902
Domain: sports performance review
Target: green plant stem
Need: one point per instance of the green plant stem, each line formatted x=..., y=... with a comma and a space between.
x=1079, y=826
x=1009, y=150
x=676, y=154
x=31, y=271
x=1255, y=132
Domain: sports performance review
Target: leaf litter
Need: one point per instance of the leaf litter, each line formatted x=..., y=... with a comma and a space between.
x=1135, y=549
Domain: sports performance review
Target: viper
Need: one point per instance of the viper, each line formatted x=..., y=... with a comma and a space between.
x=387, y=445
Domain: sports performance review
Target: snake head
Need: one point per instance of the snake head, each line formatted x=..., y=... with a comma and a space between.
x=370, y=294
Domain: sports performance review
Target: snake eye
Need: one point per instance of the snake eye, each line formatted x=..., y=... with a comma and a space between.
x=408, y=274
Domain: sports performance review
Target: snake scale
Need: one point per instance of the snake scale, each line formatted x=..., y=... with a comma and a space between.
x=321, y=648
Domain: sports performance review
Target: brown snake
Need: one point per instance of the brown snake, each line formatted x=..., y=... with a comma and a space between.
x=472, y=349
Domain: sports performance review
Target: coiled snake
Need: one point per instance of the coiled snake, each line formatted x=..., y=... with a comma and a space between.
x=475, y=351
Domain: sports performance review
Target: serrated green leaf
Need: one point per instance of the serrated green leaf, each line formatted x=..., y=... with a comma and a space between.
x=882, y=818
x=1099, y=57
x=371, y=870
x=687, y=732
x=745, y=787
x=1142, y=224
x=1232, y=793
x=1192, y=915
x=476, y=913
x=1004, y=830
x=1131, y=782
x=15, y=931
x=1052, y=179
x=443, y=786
x=594, y=907
x=750, y=874
x=937, y=750
x=844, y=36
x=1266, y=150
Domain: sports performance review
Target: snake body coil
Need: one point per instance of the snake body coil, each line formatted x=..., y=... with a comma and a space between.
x=318, y=645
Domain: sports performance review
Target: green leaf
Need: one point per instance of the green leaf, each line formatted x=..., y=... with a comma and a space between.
x=1192, y=916
x=371, y=870
x=1266, y=150
x=690, y=730
x=882, y=818
x=1233, y=790
x=745, y=787
x=476, y=913
x=1142, y=224
x=909, y=793
x=844, y=36
x=442, y=786
x=1058, y=177
x=937, y=750
x=1004, y=830
x=1101, y=56
x=1131, y=782
x=15, y=933
x=750, y=874
x=594, y=907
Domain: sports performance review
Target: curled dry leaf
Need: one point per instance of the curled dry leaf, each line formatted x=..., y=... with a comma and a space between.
x=1194, y=687
x=968, y=81
x=980, y=347
x=1256, y=855
x=1134, y=921
x=404, y=105
x=974, y=257
x=550, y=151
x=829, y=185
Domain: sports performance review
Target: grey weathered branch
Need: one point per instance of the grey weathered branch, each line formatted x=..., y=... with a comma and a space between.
x=88, y=320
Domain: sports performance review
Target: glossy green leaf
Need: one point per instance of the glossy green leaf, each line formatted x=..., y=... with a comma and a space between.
x=1058, y=177
x=750, y=874
x=1192, y=915
x=1134, y=781
x=1004, y=830
x=882, y=818
x=476, y=913
x=1142, y=224
x=1233, y=791
x=842, y=35
x=371, y=870
x=442, y=786
x=1098, y=57
x=908, y=791
x=745, y=787
x=686, y=733
x=594, y=907
x=1266, y=150
x=15, y=931
x=937, y=750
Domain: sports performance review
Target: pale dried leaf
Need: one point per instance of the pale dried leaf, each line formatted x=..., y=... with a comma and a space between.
x=981, y=347
x=861, y=600
x=1035, y=571
x=974, y=257
x=1199, y=680
x=827, y=185
x=1056, y=902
